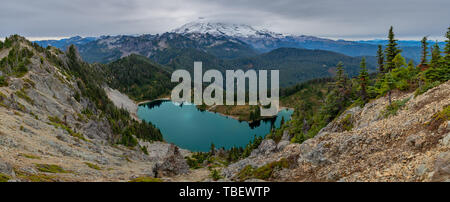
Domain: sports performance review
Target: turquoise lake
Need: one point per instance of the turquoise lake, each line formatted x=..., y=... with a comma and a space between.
x=189, y=128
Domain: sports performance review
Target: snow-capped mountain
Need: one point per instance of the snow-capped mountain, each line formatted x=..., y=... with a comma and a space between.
x=222, y=40
x=225, y=29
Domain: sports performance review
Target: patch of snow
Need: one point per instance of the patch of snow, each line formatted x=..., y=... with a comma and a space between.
x=225, y=29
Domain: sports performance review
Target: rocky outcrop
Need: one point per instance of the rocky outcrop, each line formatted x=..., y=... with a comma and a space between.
x=266, y=147
x=442, y=167
x=6, y=168
x=45, y=120
x=173, y=164
x=285, y=140
x=122, y=101
x=402, y=147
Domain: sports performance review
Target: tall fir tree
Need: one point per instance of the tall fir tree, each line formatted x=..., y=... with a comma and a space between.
x=363, y=80
x=423, y=59
x=389, y=85
x=435, y=55
x=380, y=57
x=341, y=78
x=391, y=50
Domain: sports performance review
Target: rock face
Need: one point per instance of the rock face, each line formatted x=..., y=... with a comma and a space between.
x=173, y=164
x=402, y=147
x=285, y=140
x=122, y=101
x=44, y=121
x=267, y=146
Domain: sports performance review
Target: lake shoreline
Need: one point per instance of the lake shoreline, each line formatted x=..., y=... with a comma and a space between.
x=193, y=128
x=281, y=108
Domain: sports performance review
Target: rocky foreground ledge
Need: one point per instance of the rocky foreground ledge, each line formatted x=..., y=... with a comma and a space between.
x=413, y=145
x=47, y=132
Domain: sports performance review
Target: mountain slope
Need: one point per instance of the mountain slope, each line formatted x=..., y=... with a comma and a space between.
x=63, y=44
x=297, y=65
x=223, y=40
x=58, y=124
x=413, y=145
x=110, y=48
x=139, y=78
x=263, y=40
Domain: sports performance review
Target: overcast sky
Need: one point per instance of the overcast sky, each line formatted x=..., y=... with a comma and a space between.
x=338, y=19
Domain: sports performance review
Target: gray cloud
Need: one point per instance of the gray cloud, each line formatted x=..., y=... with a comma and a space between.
x=329, y=18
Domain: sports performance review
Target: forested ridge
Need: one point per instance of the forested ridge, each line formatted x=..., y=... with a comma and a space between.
x=139, y=78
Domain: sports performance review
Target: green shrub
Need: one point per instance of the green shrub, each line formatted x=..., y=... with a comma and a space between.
x=215, y=175
x=55, y=121
x=245, y=173
x=196, y=160
x=30, y=156
x=4, y=178
x=424, y=88
x=392, y=109
x=147, y=179
x=50, y=168
x=3, y=81
x=144, y=149
x=439, y=118
x=34, y=177
x=346, y=123
x=93, y=166
x=264, y=172
x=22, y=94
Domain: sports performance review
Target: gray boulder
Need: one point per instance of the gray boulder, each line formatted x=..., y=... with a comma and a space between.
x=282, y=144
x=442, y=167
x=446, y=140
x=317, y=156
x=6, y=168
x=173, y=164
x=266, y=147
x=286, y=136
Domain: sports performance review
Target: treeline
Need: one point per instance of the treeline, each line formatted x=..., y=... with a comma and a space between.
x=319, y=102
x=16, y=62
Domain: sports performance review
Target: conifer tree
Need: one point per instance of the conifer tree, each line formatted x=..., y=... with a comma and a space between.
x=399, y=61
x=389, y=85
x=391, y=50
x=411, y=69
x=447, y=48
x=340, y=77
x=380, y=57
x=363, y=80
x=423, y=60
x=213, y=149
x=435, y=55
